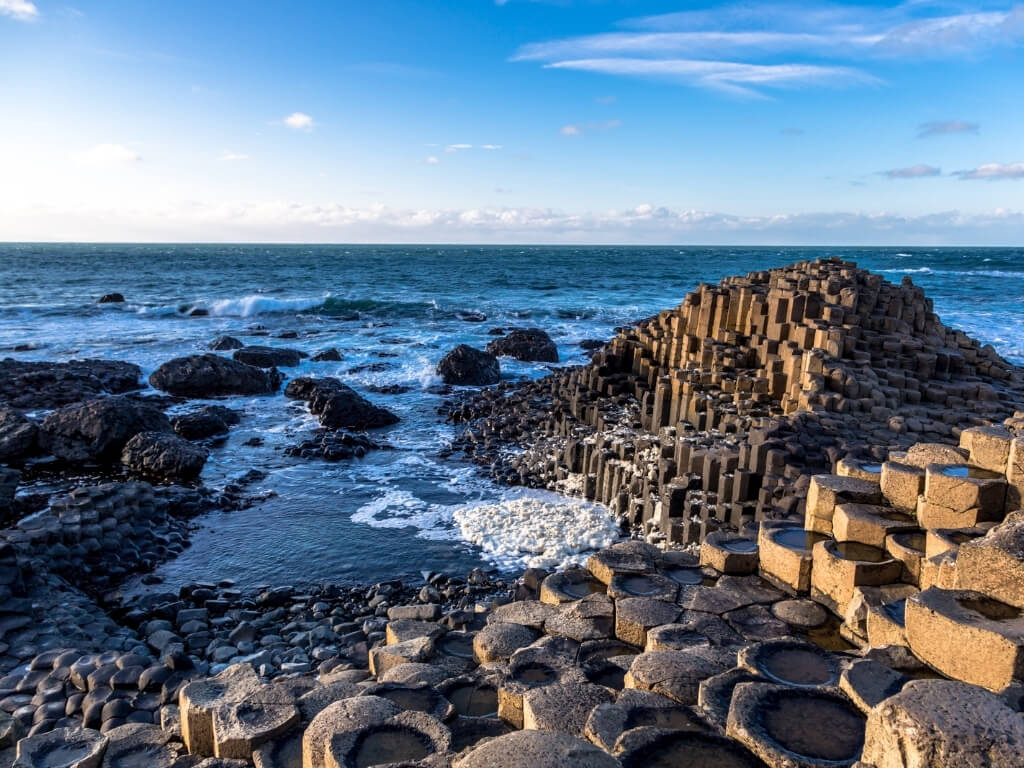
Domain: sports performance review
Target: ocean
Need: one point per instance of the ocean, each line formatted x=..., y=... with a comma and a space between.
x=393, y=312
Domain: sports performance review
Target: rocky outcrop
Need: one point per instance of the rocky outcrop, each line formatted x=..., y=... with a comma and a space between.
x=269, y=357
x=337, y=405
x=467, y=366
x=225, y=344
x=529, y=344
x=210, y=421
x=42, y=385
x=19, y=436
x=111, y=298
x=97, y=430
x=330, y=355
x=164, y=457
x=213, y=376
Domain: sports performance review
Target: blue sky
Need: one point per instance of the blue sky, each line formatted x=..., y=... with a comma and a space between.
x=516, y=121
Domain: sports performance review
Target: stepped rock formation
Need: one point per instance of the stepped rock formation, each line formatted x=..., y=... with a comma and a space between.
x=717, y=413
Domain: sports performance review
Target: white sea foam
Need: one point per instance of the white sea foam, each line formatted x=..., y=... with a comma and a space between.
x=538, y=530
x=248, y=306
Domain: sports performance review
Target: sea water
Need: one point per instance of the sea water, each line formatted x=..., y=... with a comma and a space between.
x=393, y=312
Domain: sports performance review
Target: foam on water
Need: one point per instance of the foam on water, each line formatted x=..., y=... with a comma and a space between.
x=536, y=529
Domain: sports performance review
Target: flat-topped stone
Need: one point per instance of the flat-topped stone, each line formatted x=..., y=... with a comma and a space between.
x=638, y=709
x=537, y=749
x=791, y=662
x=407, y=739
x=562, y=707
x=677, y=674
x=994, y=564
x=668, y=748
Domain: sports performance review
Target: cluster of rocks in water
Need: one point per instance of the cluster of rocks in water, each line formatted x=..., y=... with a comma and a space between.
x=468, y=366
x=844, y=472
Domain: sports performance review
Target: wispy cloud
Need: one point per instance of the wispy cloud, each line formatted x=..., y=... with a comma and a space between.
x=993, y=172
x=943, y=127
x=106, y=156
x=456, y=147
x=432, y=160
x=300, y=121
x=578, y=129
x=919, y=171
x=233, y=157
x=491, y=147
x=737, y=47
x=733, y=77
x=22, y=10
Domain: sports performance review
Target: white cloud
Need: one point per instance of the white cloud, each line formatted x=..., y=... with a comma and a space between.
x=491, y=147
x=943, y=127
x=738, y=47
x=288, y=221
x=233, y=157
x=993, y=172
x=432, y=160
x=300, y=121
x=457, y=147
x=919, y=171
x=733, y=77
x=106, y=156
x=570, y=130
x=22, y=10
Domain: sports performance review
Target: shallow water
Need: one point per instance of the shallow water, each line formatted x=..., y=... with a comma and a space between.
x=393, y=312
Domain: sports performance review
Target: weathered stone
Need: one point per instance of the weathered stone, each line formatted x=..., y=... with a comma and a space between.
x=467, y=366
x=408, y=739
x=729, y=553
x=199, y=700
x=211, y=375
x=531, y=344
x=61, y=748
x=642, y=747
x=536, y=749
x=97, y=430
x=165, y=457
x=592, y=618
x=869, y=683
x=341, y=716
x=497, y=642
x=19, y=436
x=269, y=357
x=265, y=714
x=940, y=723
x=994, y=564
x=638, y=709
x=677, y=674
x=562, y=706
x=635, y=615
x=136, y=744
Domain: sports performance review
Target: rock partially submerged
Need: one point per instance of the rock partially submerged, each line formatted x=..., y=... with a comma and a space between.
x=97, y=430
x=467, y=366
x=211, y=375
x=19, y=436
x=529, y=344
x=269, y=357
x=39, y=385
x=337, y=405
x=164, y=457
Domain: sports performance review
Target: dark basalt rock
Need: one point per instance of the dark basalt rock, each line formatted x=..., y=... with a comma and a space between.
x=225, y=344
x=19, y=436
x=337, y=405
x=164, y=457
x=468, y=366
x=269, y=357
x=529, y=344
x=97, y=430
x=211, y=421
x=32, y=385
x=111, y=298
x=332, y=446
x=331, y=355
x=213, y=376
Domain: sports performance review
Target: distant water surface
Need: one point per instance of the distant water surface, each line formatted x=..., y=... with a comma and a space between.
x=393, y=311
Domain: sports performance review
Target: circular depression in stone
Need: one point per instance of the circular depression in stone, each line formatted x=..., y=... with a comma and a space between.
x=606, y=673
x=818, y=727
x=61, y=755
x=468, y=731
x=390, y=744
x=700, y=750
x=686, y=576
x=473, y=699
x=862, y=553
x=896, y=611
x=992, y=610
x=417, y=699
x=580, y=588
x=595, y=650
x=794, y=664
x=458, y=644
x=795, y=538
x=639, y=585
x=534, y=674
x=915, y=541
x=738, y=545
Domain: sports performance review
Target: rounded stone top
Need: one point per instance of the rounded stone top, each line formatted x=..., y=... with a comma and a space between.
x=537, y=749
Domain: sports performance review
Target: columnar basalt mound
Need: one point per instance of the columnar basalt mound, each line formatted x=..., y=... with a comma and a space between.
x=718, y=413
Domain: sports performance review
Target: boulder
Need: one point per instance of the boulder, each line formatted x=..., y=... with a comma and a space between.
x=211, y=421
x=269, y=357
x=337, y=405
x=163, y=456
x=213, y=376
x=111, y=298
x=467, y=366
x=225, y=344
x=97, y=430
x=19, y=436
x=32, y=385
x=529, y=344
x=330, y=355
x=940, y=723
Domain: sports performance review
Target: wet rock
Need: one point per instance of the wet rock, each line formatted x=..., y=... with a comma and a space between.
x=225, y=344
x=467, y=366
x=642, y=747
x=210, y=375
x=943, y=723
x=337, y=405
x=98, y=430
x=19, y=436
x=72, y=747
x=269, y=357
x=39, y=385
x=164, y=457
x=530, y=344
x=111, y=298
x=331, y=355
x=211, y=421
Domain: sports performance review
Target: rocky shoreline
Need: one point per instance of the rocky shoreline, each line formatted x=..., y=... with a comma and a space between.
x=824, y=481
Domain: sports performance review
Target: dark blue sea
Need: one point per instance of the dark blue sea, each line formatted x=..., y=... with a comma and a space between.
x=393, y=311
